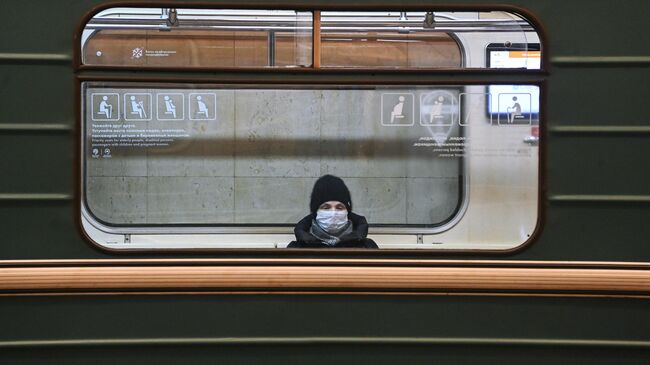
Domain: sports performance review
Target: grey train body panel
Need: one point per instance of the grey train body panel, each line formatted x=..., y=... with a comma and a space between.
x=595, y=207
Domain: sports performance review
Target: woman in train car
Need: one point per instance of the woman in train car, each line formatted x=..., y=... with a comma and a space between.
x=331, y=222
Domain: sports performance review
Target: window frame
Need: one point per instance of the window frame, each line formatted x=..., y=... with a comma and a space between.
x=334, y=75
x=525, y=14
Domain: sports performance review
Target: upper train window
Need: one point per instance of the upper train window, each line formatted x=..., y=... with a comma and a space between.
x=202, y=38
x=173, y=164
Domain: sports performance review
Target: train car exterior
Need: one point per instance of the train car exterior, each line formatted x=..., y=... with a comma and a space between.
x=574, y=286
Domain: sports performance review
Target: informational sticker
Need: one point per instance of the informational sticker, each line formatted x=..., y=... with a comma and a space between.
x=529, y=103
x=105, y=106
x=438, y=108
x=452, y=147
x=514, y=109
x=170, y=106
x=471, y=105
x=203, y=106
x=139, y=52
x=137, y=106
x=133, y=119
x=107, y=153
x=397, y=109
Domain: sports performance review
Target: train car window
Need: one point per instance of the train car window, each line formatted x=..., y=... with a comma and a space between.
x=200, y=155
x=198, y=38
x=216, y=159
x=417, y=39
x=173, y=164
x=204, y=38
x=378, y=39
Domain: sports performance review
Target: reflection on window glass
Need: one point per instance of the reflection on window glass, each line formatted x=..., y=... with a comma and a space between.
x=456, y=164
x=217, y=38
x=419, y=39
x=351, y=39
x=198, y=38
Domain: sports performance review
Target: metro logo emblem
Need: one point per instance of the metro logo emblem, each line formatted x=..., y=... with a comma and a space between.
x=137, y=53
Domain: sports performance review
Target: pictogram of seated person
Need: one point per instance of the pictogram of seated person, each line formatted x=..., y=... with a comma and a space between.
x=331, y=223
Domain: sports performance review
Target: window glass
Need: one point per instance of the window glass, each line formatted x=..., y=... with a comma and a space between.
x=375, y=43
x=198, y=38
x=429, y=164
x=419, y=39
x=199, y=156
x=218, y=38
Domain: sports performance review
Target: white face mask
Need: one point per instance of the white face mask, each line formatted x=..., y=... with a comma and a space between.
x=332, y=220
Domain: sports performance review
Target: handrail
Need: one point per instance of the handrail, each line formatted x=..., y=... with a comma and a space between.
x=328, y=279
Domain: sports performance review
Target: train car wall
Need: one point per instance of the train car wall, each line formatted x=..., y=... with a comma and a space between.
x=578, y=293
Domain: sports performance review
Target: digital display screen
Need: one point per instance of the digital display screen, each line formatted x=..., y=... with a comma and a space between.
x=518, y=99
x=515, y=59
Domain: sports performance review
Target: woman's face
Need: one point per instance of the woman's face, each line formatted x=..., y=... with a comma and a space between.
x=332, y=205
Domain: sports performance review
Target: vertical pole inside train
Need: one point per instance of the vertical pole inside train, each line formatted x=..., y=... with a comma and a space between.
x=316, y=40
x=271, y=47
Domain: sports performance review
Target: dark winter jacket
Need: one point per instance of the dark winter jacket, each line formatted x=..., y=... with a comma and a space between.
x=356, y=239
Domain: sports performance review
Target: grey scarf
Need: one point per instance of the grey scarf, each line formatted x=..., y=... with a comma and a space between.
x=330, y=239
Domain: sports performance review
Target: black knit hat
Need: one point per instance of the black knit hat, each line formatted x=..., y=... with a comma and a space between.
x=328, y=188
